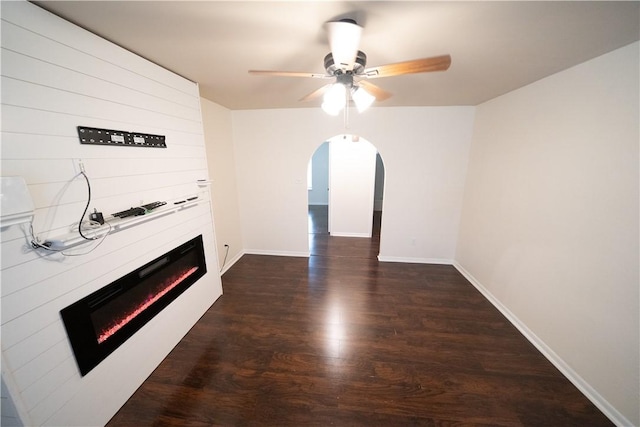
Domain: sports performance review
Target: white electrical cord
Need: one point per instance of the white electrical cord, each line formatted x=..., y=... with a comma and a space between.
x=36, y=244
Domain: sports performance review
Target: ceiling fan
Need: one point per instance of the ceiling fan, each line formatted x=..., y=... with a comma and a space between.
x=347, y=65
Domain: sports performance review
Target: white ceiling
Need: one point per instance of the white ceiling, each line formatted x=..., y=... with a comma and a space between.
x=495, y=46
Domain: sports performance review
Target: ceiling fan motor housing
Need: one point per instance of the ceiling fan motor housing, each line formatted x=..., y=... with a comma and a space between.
x=345, y=79
x=358, y=66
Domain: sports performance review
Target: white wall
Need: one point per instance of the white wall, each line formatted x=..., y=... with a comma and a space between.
x=352, y=166
x=224, y=194
x=56, y=76
x=319, y=194
x=550, y=221
x=425, y=152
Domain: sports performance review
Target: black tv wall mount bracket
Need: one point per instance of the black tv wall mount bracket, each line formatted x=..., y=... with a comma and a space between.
x=96, y=136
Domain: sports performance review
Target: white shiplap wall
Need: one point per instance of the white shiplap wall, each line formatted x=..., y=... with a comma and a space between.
x=56, y=76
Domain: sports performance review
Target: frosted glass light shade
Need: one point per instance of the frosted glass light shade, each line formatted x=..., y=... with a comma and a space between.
x=362, y=99
x=335, y=99
x=344, y=38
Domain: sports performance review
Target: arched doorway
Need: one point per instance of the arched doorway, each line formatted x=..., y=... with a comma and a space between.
x=345, y=192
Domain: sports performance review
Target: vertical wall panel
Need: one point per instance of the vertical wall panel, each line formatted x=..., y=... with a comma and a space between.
x=55, y=77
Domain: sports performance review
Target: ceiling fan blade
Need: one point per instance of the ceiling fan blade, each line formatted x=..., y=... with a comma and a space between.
x=289, y=74
x=379, y=93
x=436, y=63
x=315, y=94
x=344, y=40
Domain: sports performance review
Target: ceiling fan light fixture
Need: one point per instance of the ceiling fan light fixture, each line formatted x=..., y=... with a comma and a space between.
x=362, y=98
x=334, y=99
x=331, y=109
x=347, y=65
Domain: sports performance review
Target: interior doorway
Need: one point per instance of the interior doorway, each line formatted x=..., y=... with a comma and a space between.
x=342, y=163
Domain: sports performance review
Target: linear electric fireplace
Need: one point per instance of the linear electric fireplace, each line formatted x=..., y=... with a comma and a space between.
x=99, y=323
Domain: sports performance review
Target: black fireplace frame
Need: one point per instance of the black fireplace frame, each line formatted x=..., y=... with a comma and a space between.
x=88, y=351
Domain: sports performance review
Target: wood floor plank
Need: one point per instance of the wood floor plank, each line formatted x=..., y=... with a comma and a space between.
x=342, y=339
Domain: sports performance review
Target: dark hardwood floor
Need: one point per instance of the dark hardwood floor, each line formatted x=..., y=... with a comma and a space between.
x=342, y=339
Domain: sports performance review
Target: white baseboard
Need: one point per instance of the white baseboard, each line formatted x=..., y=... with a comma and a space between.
x=383, y=258
x=276, y=253
x=364, y=235
x=239, y=255
x=612, y=413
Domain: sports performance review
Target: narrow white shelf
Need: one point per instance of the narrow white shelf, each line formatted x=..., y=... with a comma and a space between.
x=72, y=239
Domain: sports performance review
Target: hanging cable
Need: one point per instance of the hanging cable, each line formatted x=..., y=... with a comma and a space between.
x=36, y=244
x=85, y=208
x=224, y=261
